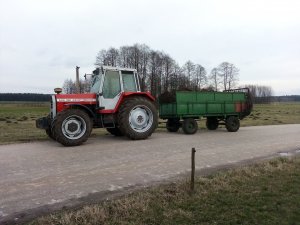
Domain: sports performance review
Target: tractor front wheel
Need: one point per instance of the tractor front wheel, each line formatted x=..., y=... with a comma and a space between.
x=72, y=127
x=50, y=134
x=137, y=118
x=49, y=130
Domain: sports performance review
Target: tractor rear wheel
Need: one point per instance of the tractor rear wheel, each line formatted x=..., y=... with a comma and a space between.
x=212, y=123
x=189, y=126
x=137, y=118
x=115, y=131
x=72, y=127
x=173, y=125
x=232, y=123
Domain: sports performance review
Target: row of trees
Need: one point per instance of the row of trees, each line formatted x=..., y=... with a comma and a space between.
x=159, y=72
x=69, y=86
x=260, y=93
x=28, y=97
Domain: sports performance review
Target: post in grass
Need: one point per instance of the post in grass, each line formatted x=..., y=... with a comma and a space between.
x=193, y=170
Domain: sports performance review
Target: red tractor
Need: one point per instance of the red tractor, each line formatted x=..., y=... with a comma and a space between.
x=115, y=103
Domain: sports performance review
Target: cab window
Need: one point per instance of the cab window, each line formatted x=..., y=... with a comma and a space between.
x=129, y=81
x=111, y=85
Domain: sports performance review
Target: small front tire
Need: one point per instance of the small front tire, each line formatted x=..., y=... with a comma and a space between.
x=72, y=127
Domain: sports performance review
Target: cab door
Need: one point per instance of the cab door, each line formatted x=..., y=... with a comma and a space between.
x=111, y=89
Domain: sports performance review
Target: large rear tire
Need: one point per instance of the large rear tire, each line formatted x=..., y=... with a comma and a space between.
x=173, y=125
x=72, y=127
x=189, y=126
x=232, y=123
x=137, y=118
x=115, y=131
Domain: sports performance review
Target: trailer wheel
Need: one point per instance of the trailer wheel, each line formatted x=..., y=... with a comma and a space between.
x=232, y=123
x=137, y=118
x=115, y=131
x=72, y=127
x=189, y=126
x=173, y=125
x=212, y=123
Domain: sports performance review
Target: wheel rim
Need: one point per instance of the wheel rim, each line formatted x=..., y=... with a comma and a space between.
x=73, y=127
x=140, y=118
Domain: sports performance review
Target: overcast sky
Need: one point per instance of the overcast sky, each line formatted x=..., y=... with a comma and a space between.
x=42, y=41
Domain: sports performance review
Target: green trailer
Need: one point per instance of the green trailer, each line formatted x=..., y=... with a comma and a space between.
x=227, y=108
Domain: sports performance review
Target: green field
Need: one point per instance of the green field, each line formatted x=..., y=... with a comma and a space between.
x=265, y=193
x=17, y=120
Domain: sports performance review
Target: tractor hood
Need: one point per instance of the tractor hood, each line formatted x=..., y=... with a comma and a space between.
x=89, y=98
x=63, y=101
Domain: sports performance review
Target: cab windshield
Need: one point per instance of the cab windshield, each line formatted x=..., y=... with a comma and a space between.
x=95, y=84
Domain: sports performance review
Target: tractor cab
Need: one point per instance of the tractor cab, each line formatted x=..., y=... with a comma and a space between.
x=110, y=82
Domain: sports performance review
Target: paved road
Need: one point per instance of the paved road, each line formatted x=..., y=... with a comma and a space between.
x=45, y=173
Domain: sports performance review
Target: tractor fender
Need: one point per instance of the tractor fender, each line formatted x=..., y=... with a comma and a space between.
x=123, y=97
x=83, y=107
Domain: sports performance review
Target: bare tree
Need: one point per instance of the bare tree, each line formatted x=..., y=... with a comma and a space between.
x=189, y=70
x=159, y=72
x=229, y=75
x=107, y=57
x=69, y=86
x=200, y=79
x=260, y=93
x=214, y=78
x=101, y=58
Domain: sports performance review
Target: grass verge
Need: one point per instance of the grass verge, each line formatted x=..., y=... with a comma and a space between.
x=265, y=193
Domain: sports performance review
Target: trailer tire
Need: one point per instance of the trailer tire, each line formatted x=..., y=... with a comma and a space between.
x=212, y=123
x=137, y=118
x=189, y=126
x=115, y=131
x=72, y=127
x=173, y=125
x=232, y=123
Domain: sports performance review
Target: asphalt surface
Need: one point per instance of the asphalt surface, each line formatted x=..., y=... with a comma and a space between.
x=46, y=175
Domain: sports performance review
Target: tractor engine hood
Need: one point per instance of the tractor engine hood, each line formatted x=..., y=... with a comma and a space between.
x=89, y=98
x=64, y=101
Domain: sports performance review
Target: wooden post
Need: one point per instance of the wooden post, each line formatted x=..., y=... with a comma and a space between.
x=193, y=170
